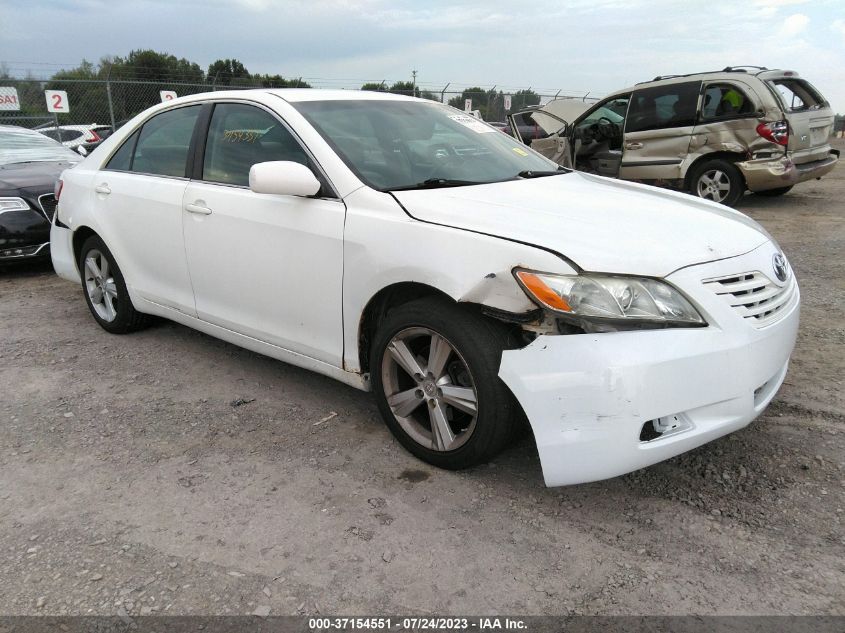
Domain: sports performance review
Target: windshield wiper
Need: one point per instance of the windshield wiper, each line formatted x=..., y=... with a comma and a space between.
x=436, y=183
x=529, y=173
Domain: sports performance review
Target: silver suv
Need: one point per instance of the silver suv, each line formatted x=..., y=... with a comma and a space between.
x=713, y=134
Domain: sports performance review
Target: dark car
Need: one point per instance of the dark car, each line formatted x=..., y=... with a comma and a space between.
x=30, y=165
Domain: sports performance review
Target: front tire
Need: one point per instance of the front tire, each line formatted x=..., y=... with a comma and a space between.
x=434, y=368
x=717, y=180
x=105, y=290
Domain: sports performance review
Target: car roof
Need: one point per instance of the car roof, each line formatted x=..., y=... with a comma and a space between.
x=726, y=74
x=294, y=95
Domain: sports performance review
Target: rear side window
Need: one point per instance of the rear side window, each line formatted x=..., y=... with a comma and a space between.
x=162, y=147
x=797, y=94
x=725, y=101
x=663, y=107
x=239, y=137
x=121, y=160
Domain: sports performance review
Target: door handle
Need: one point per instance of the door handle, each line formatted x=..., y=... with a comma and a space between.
x=634, y=145
x=192, y=207
x=103, y=189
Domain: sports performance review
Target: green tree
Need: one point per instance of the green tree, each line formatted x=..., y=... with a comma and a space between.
x=86, y=94
x=225, y=72
x=149, y=65
x=524, y=98
x=277, y=81
x=375, y=87
x=404, y=88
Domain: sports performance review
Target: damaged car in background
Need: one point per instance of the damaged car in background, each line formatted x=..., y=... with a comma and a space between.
x=714, y=135
x=403, y=247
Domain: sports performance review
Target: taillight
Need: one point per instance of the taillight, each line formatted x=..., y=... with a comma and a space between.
x=776, y=132
x=57, y=190
x=93, y=137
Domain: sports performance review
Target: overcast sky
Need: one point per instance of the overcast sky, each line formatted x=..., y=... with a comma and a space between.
x=573, y=45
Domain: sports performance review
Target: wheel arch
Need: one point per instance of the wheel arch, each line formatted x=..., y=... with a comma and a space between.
x=79, y=236
x=381, y=303
x=731, y=157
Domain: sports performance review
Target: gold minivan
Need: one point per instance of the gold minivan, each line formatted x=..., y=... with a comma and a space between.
x=714, y=134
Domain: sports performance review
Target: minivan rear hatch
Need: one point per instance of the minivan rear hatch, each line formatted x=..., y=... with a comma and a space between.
x=808, y=114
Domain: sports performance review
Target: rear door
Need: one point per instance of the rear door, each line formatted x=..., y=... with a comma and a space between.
x=658, y=129
x=138, y=196
x=810, y=118
x=727, y=121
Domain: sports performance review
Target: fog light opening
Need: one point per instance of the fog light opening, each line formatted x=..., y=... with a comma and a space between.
x=661, y=427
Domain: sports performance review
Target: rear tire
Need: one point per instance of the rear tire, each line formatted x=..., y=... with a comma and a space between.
x=717, y=180
x=456, y=412
x=105, y=290
x=771, y=193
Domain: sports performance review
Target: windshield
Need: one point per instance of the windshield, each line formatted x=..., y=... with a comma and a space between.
x=19, y=145
x=407, y=144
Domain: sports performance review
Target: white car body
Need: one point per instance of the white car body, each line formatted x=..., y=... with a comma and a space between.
x=587, y=396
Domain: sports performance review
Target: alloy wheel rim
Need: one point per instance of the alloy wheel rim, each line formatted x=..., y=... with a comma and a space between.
x=714, y=184
x=430, y=389
x=100, y=285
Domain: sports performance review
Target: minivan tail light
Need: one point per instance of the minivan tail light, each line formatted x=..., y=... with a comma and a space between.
x=93, y=137
x=57, y=190
x=776, y=132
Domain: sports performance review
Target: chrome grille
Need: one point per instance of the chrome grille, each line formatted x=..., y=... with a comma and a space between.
x=754, y=296
x=48, y=205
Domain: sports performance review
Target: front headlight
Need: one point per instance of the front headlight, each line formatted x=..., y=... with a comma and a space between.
x=13, y=204
x=610, y=298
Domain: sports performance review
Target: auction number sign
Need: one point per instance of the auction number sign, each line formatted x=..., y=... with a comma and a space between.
x=9, y=98
x=167, y=95
x=57, y=101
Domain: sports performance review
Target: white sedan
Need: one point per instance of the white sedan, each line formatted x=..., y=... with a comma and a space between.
x=401, y=246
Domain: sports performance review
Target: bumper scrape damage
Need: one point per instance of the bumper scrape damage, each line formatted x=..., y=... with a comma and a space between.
x=604, y=404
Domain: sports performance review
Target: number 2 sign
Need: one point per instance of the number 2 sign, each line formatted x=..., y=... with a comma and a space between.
x=57, y=101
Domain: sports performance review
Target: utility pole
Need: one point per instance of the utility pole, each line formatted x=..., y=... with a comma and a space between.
x=414, y=83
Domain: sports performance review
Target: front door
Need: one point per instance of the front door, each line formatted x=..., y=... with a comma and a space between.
x=658, y=130
x=266, y=266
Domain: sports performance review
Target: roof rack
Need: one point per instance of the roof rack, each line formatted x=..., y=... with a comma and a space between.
x=741, y=69
x=727, y=69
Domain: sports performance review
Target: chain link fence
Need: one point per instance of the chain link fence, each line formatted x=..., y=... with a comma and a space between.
x=110, y=103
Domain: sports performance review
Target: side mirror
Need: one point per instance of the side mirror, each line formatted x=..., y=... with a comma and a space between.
x=81, y=150
x=282, y=177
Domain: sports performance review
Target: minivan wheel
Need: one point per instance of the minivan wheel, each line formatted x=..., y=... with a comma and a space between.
x=105, y=290
x=717, y=180
x=434, y=368
x=771, y=193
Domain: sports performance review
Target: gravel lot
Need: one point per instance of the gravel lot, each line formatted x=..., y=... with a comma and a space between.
x=130, y=483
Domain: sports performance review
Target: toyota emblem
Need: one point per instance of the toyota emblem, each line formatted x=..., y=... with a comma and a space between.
x=780, y=266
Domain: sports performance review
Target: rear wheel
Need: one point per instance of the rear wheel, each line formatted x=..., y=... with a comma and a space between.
x=717, y=180
x=105, y=290
x=434, y=369
x=771, y=193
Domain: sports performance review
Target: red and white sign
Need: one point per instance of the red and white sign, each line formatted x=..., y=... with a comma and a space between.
x=467, y=105
x=167, y=95
x=507, y=102
x=9, y=98
x=57, y=101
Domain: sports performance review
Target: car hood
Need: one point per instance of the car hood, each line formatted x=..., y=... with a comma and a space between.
x=601, y=225
x=40, y=176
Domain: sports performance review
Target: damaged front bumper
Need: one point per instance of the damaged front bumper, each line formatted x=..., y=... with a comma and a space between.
x=602, y=405
x=766, y=173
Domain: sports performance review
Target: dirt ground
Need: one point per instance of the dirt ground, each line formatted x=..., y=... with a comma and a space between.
x=131, y=484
